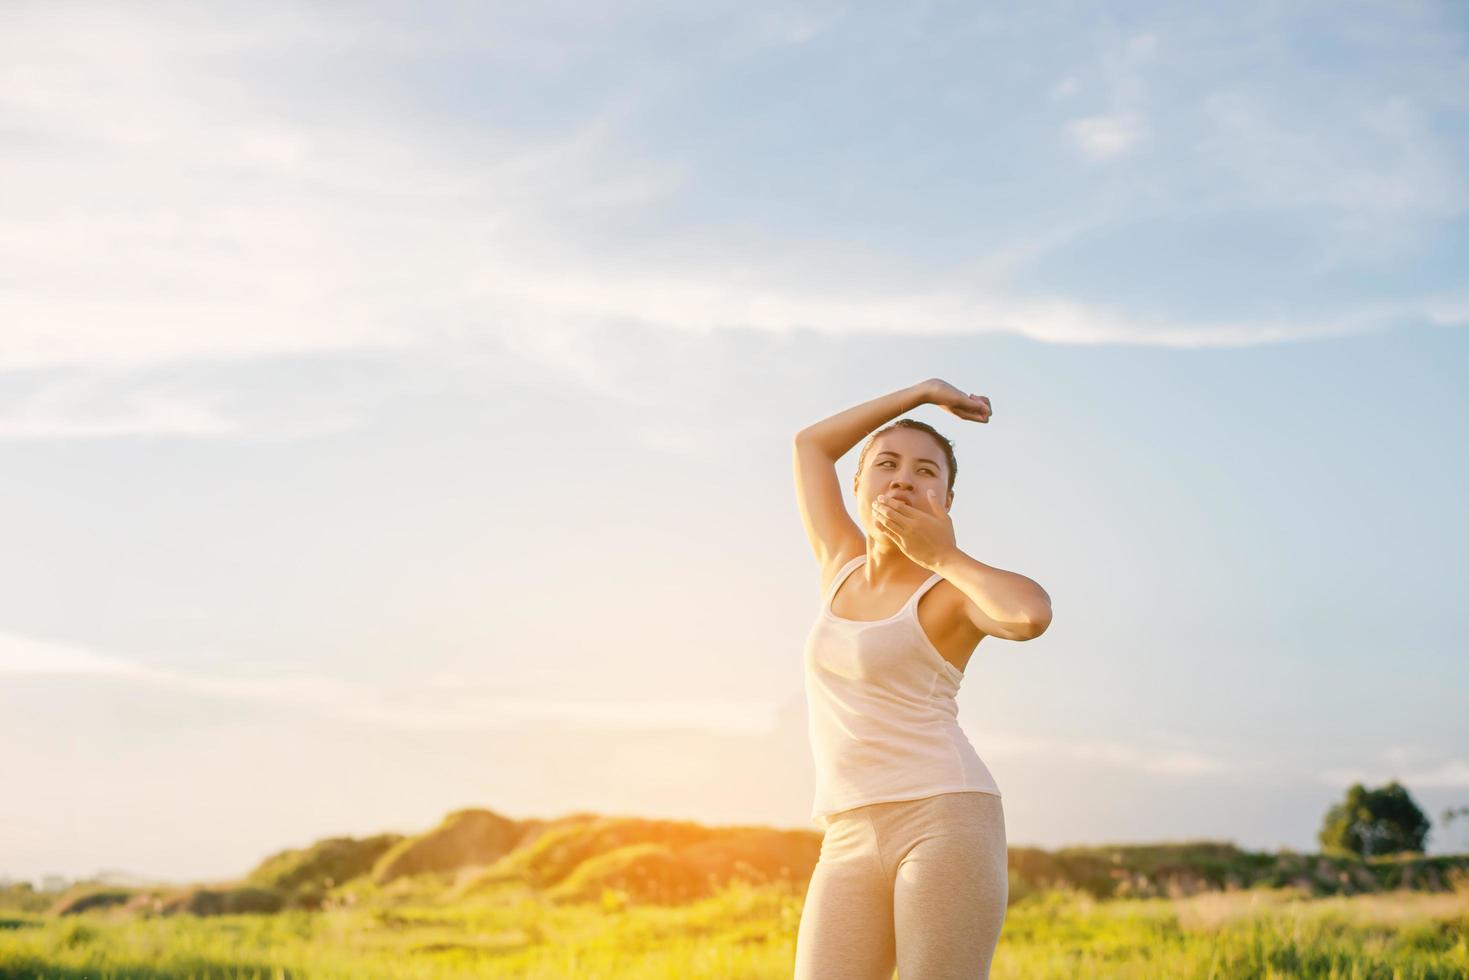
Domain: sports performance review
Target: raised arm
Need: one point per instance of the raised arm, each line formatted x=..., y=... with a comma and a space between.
x=834, y=536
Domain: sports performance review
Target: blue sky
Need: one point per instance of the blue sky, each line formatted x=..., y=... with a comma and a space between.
x=395, y=411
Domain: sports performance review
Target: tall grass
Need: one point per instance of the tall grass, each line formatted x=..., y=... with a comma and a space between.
x=745, y=931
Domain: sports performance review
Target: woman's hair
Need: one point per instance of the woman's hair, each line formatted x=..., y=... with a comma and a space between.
x=944, y=444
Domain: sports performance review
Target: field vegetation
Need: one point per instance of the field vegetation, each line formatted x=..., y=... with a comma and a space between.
x=585, y=896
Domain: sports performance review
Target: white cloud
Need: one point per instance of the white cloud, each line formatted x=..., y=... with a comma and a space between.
x=165, y=208
x=1117, y=131
x=431, y=705
x=1381, y=157
x=1452, y=774
x=1446, y=310
x=692, y=303
x=1372, y=163
x=159, y=212
x=458, y=701
x=27, y=655
x=1106, y=136
x=52, y=412
x=92, y=407
x=787, y=25
x=1144, y=758
x=1065, y=88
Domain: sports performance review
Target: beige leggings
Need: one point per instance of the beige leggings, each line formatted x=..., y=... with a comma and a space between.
x=920, y=885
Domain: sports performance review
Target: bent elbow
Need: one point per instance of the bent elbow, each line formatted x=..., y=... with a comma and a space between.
x=1038, y=626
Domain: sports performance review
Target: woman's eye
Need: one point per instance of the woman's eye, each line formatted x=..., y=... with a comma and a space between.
x=925, y=470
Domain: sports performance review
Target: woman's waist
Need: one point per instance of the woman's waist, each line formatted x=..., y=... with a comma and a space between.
x=941, y=739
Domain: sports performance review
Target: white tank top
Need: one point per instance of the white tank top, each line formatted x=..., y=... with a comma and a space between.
x=882, y=716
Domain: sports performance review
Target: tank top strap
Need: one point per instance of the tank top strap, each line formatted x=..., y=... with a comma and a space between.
x=932, y=581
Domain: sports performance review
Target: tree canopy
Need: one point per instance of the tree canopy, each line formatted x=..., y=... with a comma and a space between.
x=1374, y=821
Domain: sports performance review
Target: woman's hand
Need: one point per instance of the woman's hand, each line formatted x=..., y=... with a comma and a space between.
x=925, y=534
x=975, y=408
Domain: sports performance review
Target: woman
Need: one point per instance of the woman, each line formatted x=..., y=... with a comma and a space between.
x=912, y=871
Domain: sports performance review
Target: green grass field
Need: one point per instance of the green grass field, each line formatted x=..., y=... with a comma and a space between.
x=744, y=931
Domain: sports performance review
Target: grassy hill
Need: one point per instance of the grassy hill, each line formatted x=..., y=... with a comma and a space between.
x=584, y=857
x=637, y=899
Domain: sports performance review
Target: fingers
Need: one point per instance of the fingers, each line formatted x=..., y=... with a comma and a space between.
x=896, y=514
x=894, y=508
x=893, y=533
x=901, y=516
x=885, y=517
x=975, y=414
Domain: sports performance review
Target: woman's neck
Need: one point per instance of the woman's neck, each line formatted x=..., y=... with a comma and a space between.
x=887, y=565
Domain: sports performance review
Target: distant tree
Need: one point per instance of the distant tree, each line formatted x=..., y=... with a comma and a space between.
x=1374, y=821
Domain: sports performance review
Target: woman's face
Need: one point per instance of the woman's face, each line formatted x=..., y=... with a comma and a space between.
x=905, y=464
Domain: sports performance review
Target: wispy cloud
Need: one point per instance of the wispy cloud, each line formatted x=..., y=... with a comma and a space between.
x=162, y=212
x=1370, y=164
x=29, y=655
x=1382, y=158
x=457, y=701
x=691, y=303
x=1151, y=758
x=53, y=412
x=1115, y=132
x=1106, y=136
x=1449, y=774
x=93, y=407
x=792, y=25
x=432, y=705
x=1453, y=774
x=169, y=205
